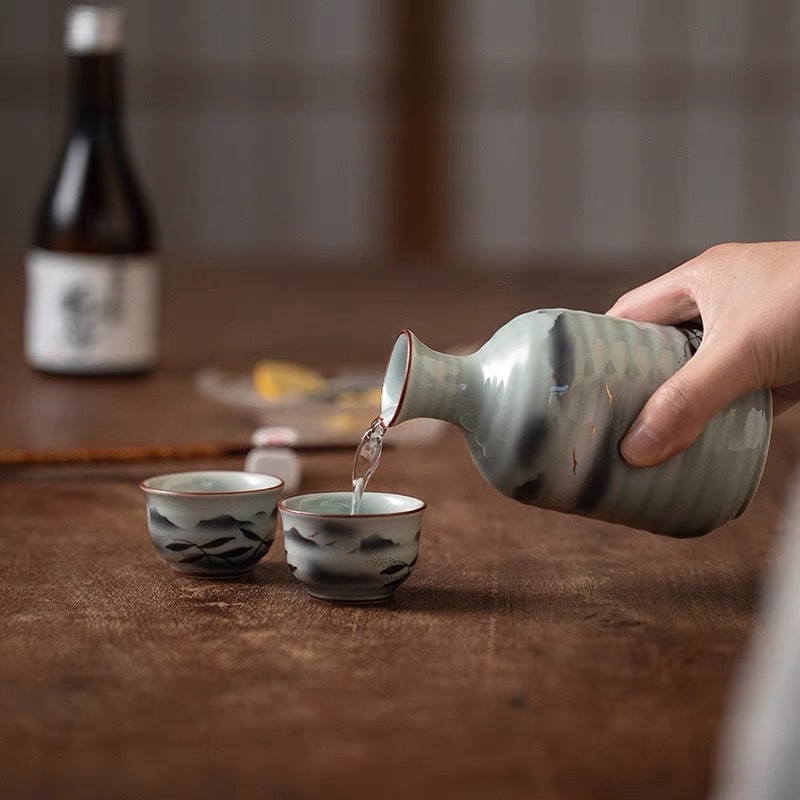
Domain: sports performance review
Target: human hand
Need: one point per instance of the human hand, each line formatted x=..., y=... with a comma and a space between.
x=748, y=298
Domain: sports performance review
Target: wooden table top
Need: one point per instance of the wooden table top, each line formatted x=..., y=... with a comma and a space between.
x=531, y=655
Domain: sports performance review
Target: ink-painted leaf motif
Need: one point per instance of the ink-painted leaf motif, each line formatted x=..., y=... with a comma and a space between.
x=178, y=546
x=393, y=569
x=218, y=542
x=253, y=537
x=191, y=559
x=237, y=551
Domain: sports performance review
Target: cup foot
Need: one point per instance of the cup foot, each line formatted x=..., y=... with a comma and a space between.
x=346, y=599
x=225, y=575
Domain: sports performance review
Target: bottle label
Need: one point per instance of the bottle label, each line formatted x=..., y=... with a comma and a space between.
x=91, y=313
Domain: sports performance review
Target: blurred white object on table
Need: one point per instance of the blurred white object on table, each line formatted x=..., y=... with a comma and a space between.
x=760, y=748
x=279, y=461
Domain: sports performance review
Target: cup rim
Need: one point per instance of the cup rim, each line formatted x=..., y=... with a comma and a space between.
x=329, y=515
x=275, y=483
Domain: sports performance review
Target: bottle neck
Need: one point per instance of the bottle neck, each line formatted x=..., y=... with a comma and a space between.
x=95, y=90
x=421, y=382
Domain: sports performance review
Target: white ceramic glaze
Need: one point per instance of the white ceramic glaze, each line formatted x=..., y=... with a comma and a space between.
x=546, y=401
x=212, y=524
x=351, y=559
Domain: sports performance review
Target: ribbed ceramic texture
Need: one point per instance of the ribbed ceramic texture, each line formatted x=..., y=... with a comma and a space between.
x=546, y=401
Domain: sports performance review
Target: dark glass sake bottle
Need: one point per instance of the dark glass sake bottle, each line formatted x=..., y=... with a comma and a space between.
x=92, y=278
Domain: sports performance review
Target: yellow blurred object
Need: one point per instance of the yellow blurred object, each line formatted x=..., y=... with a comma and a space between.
x=344, y=422
x=370, y=397
x=277, y=380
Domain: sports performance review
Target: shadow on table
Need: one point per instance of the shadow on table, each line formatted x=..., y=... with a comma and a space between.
x=612, y=601
x=458, y=599
x=272, y=573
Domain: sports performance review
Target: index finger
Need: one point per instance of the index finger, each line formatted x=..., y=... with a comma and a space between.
x=668, y=300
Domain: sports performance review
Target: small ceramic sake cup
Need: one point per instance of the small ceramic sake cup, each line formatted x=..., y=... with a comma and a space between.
x=212, y=524
x=346, y=558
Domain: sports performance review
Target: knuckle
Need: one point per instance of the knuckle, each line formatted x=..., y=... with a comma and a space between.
x=725, y=250
x=720, y=256
x=676, y=415
x=674, y=404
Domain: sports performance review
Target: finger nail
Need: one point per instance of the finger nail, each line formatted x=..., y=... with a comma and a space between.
x=641, y=447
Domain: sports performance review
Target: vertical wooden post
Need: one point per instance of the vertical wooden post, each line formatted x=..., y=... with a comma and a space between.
x=417, y=145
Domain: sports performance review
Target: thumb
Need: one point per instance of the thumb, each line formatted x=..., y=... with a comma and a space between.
x=684, y=404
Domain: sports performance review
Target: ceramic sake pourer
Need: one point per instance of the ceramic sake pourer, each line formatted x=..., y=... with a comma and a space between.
x=212, y=524
x=546, y=401
x=346, y=558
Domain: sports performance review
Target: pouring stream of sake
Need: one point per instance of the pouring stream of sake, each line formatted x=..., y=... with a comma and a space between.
x=368, y=454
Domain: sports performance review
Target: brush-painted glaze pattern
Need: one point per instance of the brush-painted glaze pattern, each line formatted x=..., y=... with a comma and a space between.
x=221, y=546
x=546, y=401
x=351, y=559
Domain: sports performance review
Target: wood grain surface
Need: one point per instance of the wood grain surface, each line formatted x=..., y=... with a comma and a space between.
x=531, y=655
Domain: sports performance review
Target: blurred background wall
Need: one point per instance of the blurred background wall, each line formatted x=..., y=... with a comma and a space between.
x=474, y=133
